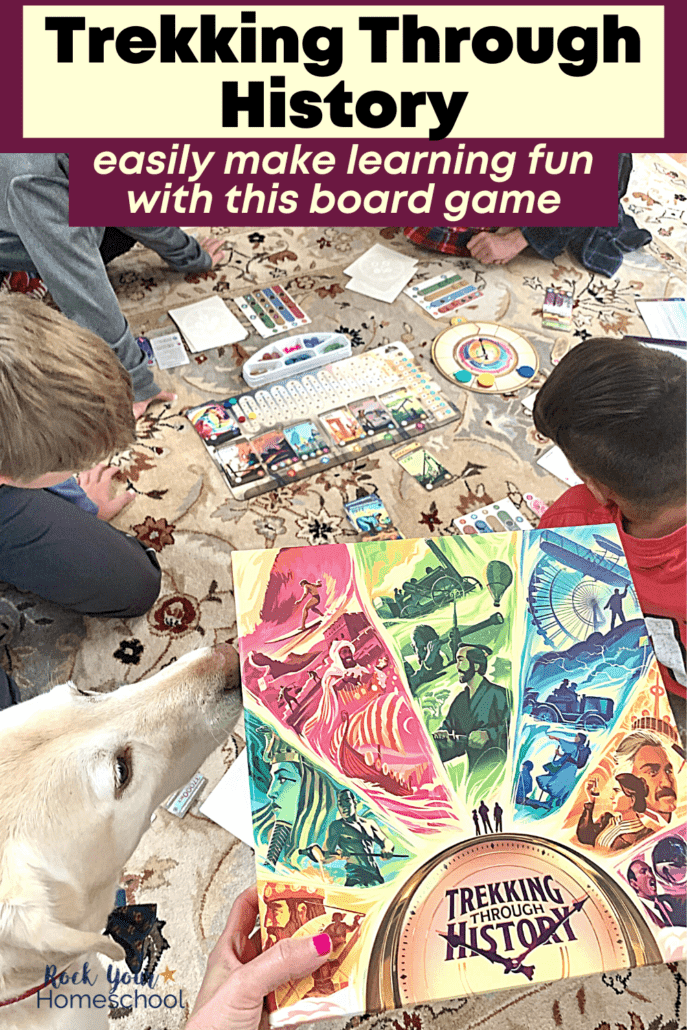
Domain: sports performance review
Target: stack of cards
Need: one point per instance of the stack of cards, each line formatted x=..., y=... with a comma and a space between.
x=169, y=351
x=207, y=324
x=369, y=516
x=381, y=273
x=557, y=310
x=440, y=296
x=422, y=466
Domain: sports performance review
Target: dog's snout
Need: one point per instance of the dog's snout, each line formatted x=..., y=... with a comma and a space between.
x=229, y=663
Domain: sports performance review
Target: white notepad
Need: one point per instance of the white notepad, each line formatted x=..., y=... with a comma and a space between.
x=380, y=273
x=665, y=317
x=207, y=324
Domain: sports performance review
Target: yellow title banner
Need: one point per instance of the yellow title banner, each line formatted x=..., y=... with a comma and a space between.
x=344, y=71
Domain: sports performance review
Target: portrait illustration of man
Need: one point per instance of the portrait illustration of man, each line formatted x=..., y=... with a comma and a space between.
x=646, y=754
x=663, y=909
x=478, y=718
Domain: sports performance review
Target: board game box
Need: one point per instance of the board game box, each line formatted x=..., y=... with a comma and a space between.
x=463, y=765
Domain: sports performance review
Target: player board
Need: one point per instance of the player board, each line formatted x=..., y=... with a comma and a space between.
x=463, y=765
x=270, y=437
x=272, y=310
x=443, y=294
x=485, y=357
x=499, y=517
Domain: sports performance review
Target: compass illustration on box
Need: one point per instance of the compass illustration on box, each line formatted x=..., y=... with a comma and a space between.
x=535, y=909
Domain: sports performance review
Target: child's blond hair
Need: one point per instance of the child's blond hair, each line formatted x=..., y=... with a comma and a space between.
x=65, y=399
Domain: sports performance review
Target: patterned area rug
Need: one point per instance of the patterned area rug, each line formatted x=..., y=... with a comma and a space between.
x=191, y=868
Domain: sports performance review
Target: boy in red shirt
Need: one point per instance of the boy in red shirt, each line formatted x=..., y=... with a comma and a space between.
x=616, y=409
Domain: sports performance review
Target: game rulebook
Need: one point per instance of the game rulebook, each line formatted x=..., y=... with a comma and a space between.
x=463, y=765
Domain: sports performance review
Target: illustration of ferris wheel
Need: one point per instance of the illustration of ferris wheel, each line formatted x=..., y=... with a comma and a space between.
x=566, y=605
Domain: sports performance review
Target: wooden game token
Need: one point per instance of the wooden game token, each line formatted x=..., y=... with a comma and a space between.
x=526, y=371
x=485, y=379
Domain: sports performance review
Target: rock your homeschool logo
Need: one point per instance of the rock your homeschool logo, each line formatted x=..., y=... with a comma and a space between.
x=111, y=988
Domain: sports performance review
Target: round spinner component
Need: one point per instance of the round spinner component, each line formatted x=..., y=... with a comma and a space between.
x=476, y=348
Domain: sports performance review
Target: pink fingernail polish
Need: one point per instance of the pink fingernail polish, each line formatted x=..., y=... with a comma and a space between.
x=323, y=943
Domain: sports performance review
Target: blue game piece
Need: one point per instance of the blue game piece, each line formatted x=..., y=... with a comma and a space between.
x=526, y=371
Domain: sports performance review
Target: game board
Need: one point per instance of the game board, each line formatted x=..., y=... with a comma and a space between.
x=484, y=356
x=463, y=763
x=269, y=437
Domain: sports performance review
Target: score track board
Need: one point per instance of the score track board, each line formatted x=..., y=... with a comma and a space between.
x=274, y=436
x=485, y=357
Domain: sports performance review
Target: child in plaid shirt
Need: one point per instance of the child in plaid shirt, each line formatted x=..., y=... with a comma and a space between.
x=600, y=249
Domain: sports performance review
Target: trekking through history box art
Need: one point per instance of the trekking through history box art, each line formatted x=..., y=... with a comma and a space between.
x=463, y=765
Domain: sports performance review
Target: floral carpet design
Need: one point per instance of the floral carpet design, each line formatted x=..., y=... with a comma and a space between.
x=191, y=868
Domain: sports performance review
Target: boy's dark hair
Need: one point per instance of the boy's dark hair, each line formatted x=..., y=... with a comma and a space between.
x=616, y=408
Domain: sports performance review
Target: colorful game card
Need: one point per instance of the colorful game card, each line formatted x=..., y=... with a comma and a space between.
x=213, y=422
x=369, y=515
x=307, y=441
x=440, y=296
x=274, y=450
x=557, y=310
x=406, y=409
x=422, y=466
x=144, y=343
x=240, y=462
x=372, y=415
x=342, y=425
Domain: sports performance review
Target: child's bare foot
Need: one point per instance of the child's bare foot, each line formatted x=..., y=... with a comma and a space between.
x=140, y=407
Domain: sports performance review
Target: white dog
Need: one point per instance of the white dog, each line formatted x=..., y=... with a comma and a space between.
x=80, y=774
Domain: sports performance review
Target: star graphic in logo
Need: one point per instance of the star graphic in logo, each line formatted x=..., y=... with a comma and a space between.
x=168, y=974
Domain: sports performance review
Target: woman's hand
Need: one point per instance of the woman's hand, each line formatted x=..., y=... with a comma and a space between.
x=238, y=976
